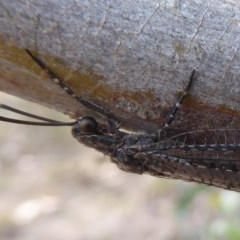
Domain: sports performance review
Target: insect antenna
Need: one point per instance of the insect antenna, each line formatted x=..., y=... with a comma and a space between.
x=46, y=121
x=88, y=104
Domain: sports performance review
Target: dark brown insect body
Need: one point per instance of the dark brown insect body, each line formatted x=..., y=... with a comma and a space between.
x=213, y=164
x=205, y=156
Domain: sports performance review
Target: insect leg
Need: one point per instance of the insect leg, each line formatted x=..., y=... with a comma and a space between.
x=61, y=84
x=178, y=104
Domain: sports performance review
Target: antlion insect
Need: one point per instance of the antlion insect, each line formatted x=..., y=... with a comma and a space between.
x=205, y=156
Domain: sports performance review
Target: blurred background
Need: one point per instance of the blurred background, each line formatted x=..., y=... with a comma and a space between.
x=51, y=187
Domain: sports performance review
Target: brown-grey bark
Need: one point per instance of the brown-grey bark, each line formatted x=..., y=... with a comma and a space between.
x=131, y=57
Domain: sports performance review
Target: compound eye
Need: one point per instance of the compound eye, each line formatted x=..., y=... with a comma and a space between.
x=88, y=125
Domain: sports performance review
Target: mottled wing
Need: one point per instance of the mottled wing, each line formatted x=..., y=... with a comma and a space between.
x=205, y=156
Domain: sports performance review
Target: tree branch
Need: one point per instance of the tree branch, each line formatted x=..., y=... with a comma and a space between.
x=132, y=59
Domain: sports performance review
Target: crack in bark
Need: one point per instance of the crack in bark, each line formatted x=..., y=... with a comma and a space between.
x=147, y=21
x=196, y=32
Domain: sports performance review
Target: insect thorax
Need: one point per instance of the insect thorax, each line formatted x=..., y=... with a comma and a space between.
x=120, y=146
